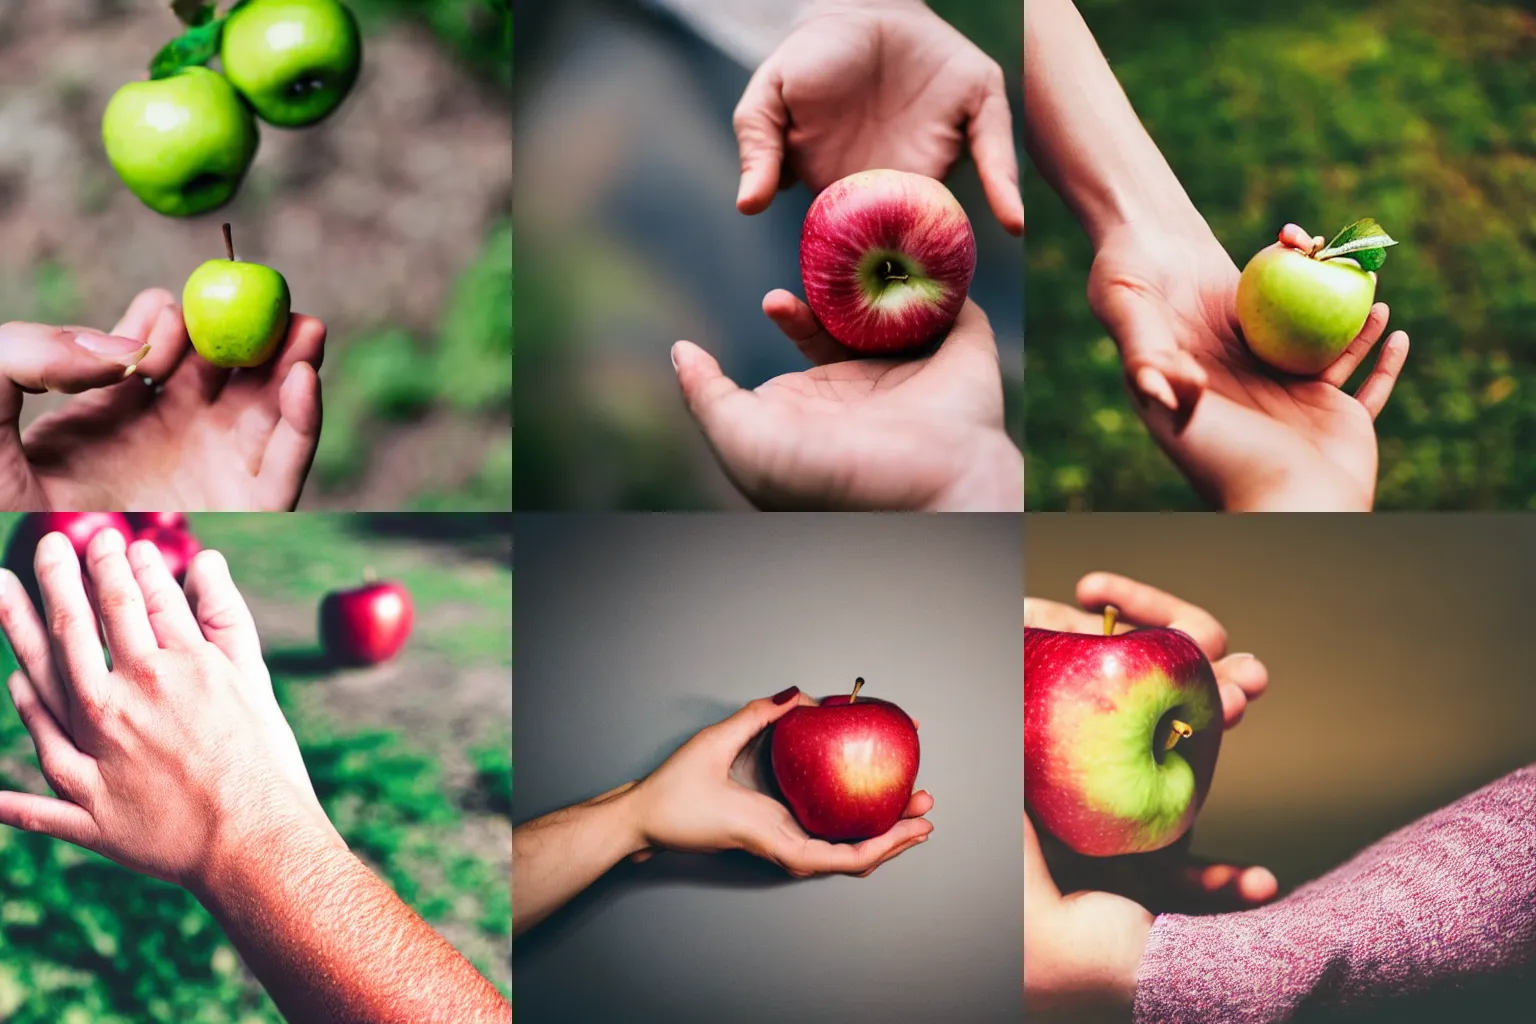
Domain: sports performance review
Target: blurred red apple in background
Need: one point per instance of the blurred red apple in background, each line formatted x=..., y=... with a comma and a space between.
x=79, y=527
x=886, y=258
x=177, y=547
x=846, y=767
x=367, y=624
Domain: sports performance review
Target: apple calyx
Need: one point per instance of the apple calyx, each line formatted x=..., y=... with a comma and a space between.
x=889, y=271
x=858, y=684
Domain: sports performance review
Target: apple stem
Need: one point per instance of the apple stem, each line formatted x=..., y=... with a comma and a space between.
x=858, y=684
x=1111, y=613
x=1180, y=731
x=229, y=242
x=888, y=271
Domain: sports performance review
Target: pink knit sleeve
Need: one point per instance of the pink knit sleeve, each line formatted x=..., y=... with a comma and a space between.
x=1444, y=907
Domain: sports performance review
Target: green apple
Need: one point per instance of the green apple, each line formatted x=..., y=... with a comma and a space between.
x=182, y=144
x=236, y=313
x=1299, y=313
x=294, y=60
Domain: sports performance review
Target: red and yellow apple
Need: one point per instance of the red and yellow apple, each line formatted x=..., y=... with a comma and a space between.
x=1121, y=735
x=886, y=258
x=845, y=766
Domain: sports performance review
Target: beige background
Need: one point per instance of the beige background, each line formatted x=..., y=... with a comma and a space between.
x=1400, y=658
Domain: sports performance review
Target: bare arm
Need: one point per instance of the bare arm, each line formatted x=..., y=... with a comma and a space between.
x=557, y=856
x=1082, y=132
x=330, y=941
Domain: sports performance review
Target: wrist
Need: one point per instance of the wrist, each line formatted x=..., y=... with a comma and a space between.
x=625, y=821
x=991, y=478
x=243, y=862
x=1281, y=492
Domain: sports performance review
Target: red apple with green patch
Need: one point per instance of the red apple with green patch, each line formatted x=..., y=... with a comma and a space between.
x=1300, y=309
x=846, y=766
x=886, y=258
x=177, y=547
x=79, y=527
x=1121, y=735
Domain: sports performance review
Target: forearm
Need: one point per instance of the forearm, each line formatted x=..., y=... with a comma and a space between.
x=331, y=942
x=1444, y=906
x=557, y=856
x=1082, y=132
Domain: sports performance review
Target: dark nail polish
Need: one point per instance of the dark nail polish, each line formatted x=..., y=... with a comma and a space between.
x=785, y=696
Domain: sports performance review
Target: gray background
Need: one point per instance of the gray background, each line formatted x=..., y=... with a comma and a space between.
x=633, y=632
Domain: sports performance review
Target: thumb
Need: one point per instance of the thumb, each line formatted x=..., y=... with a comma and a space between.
x=760, y=122
x=1155, y=366
x=738, y=425
x=742, y=727
x=35, y=358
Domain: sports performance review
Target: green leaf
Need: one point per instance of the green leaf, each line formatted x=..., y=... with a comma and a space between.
x=195, y=47
x=1362, y=235
x=195, y=13
x=1371, y=259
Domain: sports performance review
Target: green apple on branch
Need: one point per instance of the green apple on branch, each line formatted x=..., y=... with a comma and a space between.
x=1299, y=309
x=236, y=313
x=293, y=60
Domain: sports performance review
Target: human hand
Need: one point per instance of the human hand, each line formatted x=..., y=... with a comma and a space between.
x=1247, y=437
x=863, y=84
x=1241, y=677
x=176, y=761
x=692, y=803
x=199, y=438
x=920, y=434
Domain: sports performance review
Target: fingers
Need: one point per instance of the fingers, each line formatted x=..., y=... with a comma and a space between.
x=168, y=342
x=920, y=804
x=223, y=618
x=1338, y=372
x=1227, y=887
x=737, y=423
x=990, y=127
x=291, y=447
x=35, y=358
x=1148, y=606
x=1296, y=237
x=142, y=313
x=800, y=326
x=48, y=816
x=305, y=343
x=760, y=121
x=125, y=620
x=29, y=640
x=1377, y=388
x=804, y=856
x=1245, y=672
x=971, y=343
x=72, y=774
x=71, y=622
x=741, y=728
x=170, y=618
x=1156, y=367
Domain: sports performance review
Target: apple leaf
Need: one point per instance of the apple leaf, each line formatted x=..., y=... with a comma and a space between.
x=1358, y=239
x=196, y=46
x=1370, y=259
x=194, y=13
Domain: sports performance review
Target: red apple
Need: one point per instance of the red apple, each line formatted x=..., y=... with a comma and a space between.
x=79, y=527
x=177, y=547
x=886, y=258
x=846, y=767
x=165, y=520
x=1121, y=734
x=366, y=625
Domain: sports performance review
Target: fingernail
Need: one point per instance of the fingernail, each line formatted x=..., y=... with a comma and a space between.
x=785, y=696
x=924, y=837
x=110, y=346
x=113, y=541
x=1240, y=654
x=672, y=353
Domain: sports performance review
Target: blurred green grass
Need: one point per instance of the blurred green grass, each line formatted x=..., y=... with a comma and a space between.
x=83, y=941
x=1419, y=113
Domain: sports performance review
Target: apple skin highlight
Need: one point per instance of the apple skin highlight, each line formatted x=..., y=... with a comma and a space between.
x=886, y=259
x=1098, y=715
x=846, y=770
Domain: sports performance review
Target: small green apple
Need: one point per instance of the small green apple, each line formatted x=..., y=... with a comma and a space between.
x=182, y=144
x=1299, y=313
x=294, y=60
x=236, y=313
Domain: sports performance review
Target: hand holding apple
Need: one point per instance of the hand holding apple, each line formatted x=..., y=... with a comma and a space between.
x=1301, y=307
x=695, y=802
x=924, y=434
x=845, y=766
x=366, y=625
x=1121, y=735
x=79, y=527
x=236, y=313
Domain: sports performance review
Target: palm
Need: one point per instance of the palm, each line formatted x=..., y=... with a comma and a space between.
x=1246, y=414
x=866, y=90
x=206, y=439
